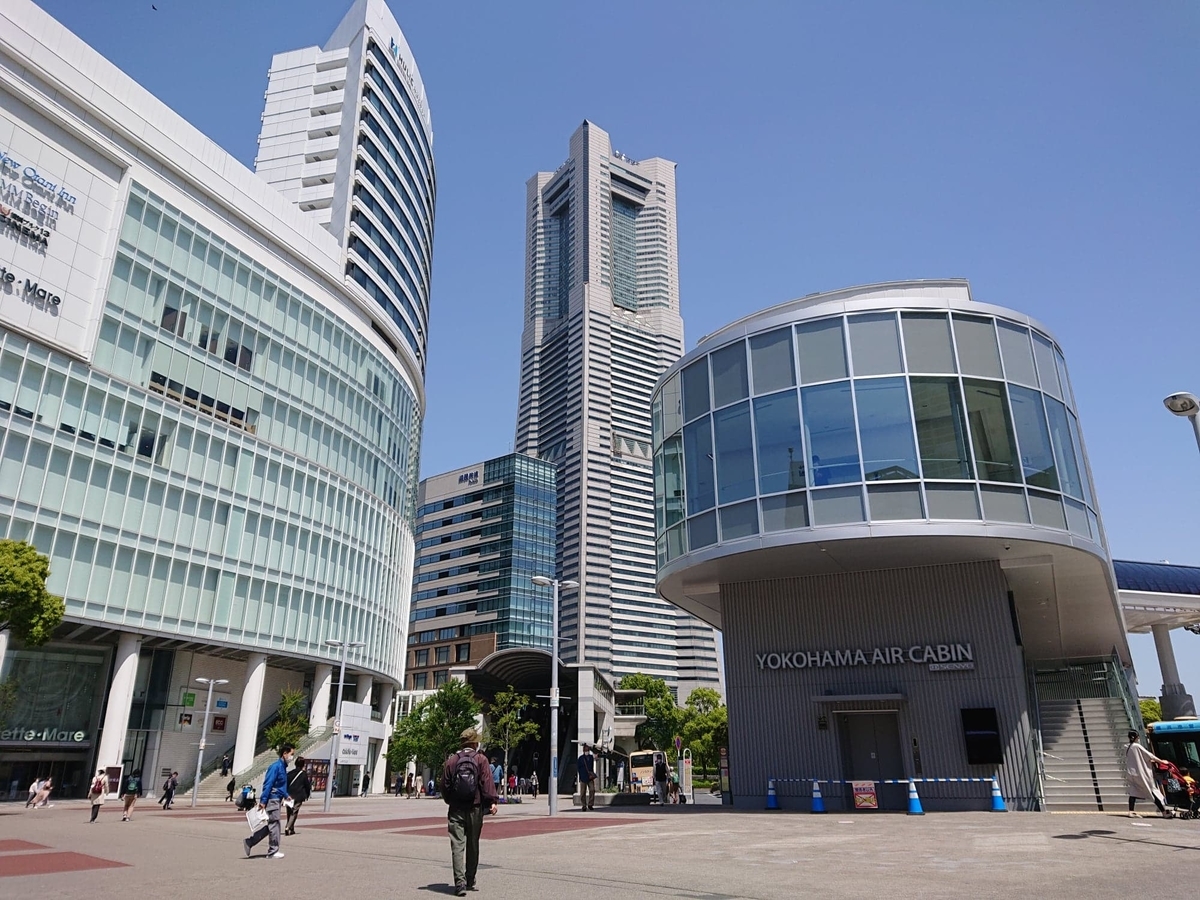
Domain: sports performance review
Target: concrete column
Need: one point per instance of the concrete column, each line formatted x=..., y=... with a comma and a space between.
x=363, y=689
x=3, y=649
x=379, y=770
x=250, y=712
x=120, y=700
x=318, y=716
x=1176, y=701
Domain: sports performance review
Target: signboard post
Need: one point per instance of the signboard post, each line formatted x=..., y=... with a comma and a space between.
x=723, y=769
x=865, y=796
x=685, y=776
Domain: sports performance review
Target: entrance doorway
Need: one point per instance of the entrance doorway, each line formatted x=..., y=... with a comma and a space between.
x=871, y=752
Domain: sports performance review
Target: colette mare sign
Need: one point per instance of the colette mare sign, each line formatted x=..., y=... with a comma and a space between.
x=939, y=658
x=42, y=735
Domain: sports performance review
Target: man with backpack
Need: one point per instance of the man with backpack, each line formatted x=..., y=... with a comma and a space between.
x=133, y=789
x=469, y=790
x=169, y=787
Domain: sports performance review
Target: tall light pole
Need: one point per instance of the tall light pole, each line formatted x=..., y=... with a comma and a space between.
x=1187, y=405
x=556, y=584
x=337, y=718
x=211, y=682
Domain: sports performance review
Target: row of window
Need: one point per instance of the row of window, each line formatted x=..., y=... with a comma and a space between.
x=441, y=655
x=399, y=90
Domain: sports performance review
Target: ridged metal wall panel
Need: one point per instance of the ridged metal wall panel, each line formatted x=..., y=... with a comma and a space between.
x=773, y=719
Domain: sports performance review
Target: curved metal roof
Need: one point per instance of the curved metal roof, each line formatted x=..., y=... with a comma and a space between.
x=1156, y=578
x=527, y=669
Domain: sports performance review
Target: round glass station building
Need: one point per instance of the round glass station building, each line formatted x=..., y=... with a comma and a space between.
x=881, y=496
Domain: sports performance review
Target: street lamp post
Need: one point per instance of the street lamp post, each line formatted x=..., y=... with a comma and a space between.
x=553, y=786
x=1188, y=406
x=211, y=682
x=337, y=718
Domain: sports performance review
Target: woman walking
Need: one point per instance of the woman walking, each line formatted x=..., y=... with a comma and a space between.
x=96, y=794
x=1139, y=777
x=299, y=789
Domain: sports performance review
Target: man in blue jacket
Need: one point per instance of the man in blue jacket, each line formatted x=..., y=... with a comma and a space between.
x=274, y=792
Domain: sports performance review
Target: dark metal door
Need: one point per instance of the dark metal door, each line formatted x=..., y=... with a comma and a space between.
x=871, y=752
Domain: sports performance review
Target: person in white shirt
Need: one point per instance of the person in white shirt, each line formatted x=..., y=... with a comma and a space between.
x=33, y=792
x=1139, y=776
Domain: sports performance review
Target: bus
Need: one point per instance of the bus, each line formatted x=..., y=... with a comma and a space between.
x=1179, y=742
x=641, y=764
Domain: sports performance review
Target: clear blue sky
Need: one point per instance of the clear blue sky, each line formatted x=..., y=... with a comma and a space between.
x=1045, y=151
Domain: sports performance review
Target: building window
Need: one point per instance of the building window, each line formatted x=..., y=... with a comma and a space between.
x=463, y=652
x=443, y=655
x=422, y=658
x=439, y=677
x=419, y=681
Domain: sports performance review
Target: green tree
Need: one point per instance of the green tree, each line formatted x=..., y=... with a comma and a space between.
x=432, y=731
x=1151, y=710
x=292, y=724
x=8, y=699
x=505, y=727
x=27, y=609
x=706, y=726
x=663, y=717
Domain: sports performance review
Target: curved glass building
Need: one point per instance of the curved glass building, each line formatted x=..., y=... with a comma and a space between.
x=207, y=422
x=897, y=467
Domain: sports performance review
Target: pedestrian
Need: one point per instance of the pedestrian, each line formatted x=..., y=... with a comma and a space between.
x=1139, y=777
x=33, y=791
x=533, y=785
x=231, y=787
x=661, y=774
x=299, y=790
x=399, y=788
x=497, y=774
x=274, y=792
x=469, y=791
x=169, y=787
x=42, y=799
x=366, y=784
x=430, y=788
x=225, y=764
x=408, y=786
x=133, y=788
x=96, y=794
x=586, y=764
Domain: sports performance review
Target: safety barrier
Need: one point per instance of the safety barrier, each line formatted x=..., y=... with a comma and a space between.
x=914, y=801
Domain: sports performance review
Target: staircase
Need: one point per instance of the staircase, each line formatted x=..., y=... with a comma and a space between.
x=213, y=786
x=1083, y=748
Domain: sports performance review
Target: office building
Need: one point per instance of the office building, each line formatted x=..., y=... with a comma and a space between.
x=210, y=429
x=601, y=323
x=483, y=531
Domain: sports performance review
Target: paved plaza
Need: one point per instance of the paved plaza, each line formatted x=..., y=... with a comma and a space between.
x=384, y=847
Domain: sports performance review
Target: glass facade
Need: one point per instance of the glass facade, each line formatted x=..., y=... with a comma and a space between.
x=479, y=549
x=889, y=415
x=238, y=465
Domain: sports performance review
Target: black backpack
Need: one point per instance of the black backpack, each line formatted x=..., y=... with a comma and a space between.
x=464, y=780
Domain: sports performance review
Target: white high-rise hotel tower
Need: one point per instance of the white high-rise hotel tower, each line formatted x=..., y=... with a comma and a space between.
x=346, y=135
x=602, y=323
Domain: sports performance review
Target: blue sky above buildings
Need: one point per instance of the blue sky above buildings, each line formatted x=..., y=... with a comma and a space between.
x=1044, y=151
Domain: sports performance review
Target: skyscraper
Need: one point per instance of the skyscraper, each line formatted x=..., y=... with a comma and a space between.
x=602, y=323
x=346, y=135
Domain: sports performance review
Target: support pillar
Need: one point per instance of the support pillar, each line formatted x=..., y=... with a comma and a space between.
x=318, y=716
x=379, y=779
x=363, y=689
x=1176, y=701
x=120, y=700
x=250, y=712
x=3, y=650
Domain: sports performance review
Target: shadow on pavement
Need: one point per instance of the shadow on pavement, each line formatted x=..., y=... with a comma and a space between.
x=1116, y=836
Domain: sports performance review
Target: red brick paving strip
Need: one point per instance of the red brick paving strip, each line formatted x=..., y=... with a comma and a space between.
x=14, y=846
x=378, y=825
x=52, y=863
x=514, y=828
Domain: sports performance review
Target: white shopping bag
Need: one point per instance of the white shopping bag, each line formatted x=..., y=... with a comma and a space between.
x=256, y=818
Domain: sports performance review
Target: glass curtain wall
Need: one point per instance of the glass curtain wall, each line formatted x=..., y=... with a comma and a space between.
x=880, y=416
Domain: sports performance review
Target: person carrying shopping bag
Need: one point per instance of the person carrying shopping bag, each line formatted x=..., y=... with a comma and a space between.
x=274, y=792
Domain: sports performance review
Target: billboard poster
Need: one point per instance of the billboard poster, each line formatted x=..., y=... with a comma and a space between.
x=318, y=774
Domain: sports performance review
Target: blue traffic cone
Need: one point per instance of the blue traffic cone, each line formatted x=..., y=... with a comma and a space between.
x=772, y=800
x=818, y=802
x=997, y=800
x=914, y=802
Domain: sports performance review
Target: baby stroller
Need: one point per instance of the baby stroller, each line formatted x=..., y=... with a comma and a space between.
x=247, y=799
x=1181, y=791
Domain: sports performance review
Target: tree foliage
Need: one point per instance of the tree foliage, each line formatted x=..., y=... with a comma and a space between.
x=8, y=699
x=505, y=728
x=702, y=722
x=292, y=724
x=432, y=731
x=27, y=609
x=1151, y=710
